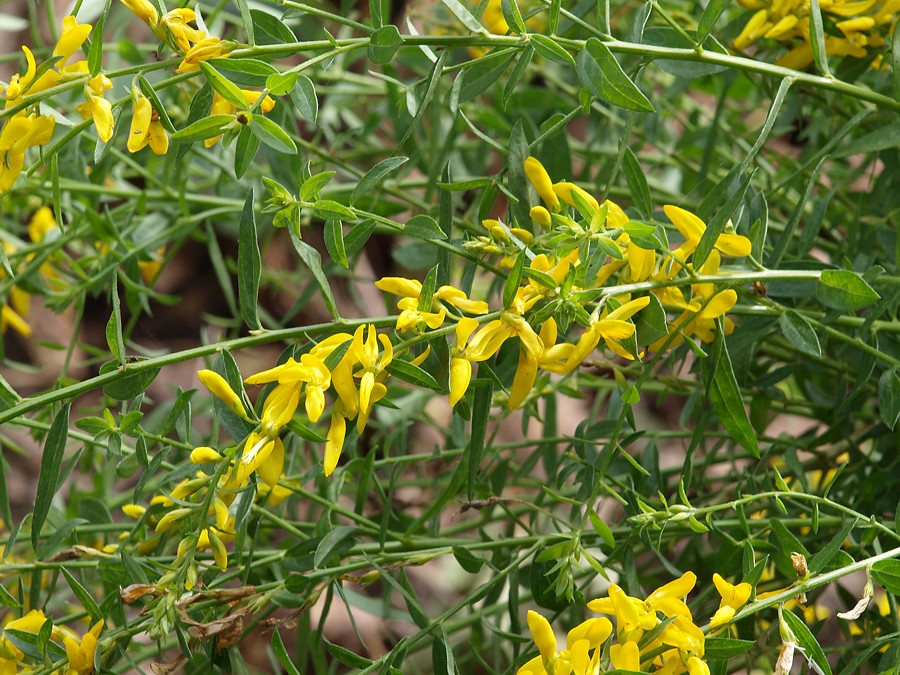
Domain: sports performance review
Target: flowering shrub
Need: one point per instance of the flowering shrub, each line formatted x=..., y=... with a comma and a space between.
x=332, y=337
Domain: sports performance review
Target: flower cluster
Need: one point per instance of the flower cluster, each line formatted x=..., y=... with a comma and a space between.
x=182, y=30
x=853, y=28
x=656, y=634
x=28, y=128
x=79, y=650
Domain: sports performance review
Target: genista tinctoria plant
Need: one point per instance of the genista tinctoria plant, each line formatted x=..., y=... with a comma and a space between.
x=502, y=337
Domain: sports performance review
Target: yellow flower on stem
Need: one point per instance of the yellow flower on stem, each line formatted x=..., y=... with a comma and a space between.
x=81, y=653
x=222, y=106
x=542, y=183
x=220, y=388
x=411, y=318
x=177, y=24
x=204, y=50
x=97, y=107
x=144, y=10
x=20, y=133
x=71, y=38
x=460, y=365
x=733, y=598
x=692, y=228
x=366, y=353
x=337, y=432
x=625, y=656
x=146, y=129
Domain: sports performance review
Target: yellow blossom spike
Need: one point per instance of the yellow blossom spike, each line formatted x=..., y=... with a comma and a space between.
x=205, y=455
x=540, y=179
x=542, y=634
x=134, y=510
x=541, y=216
x=625, y=656
x=71, y=38
x=564, y=191
x=220, y=388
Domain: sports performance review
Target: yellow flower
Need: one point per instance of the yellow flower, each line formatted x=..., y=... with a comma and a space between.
x=540, y=179
x=733, y=598
x=146, y=129
x=460, y=365
x=205, y=49
x=20, y=133
x=335, y=440
x=97, y=107
x=373, y=363
x=144, y=10
x=205, y=455
x=220, y=388
x=134, y=510
x=692, y=229
x=177, y=24
x=81, y=653
x=625, y=656
x=71, y=38
x=542, y=634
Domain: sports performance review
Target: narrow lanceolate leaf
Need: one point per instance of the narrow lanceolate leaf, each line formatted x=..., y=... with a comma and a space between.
x=327, y=208
x=481, y=406
x=95, y=52
x=271, y=134
x=334, y=242
x=599, y=71
x=550, y=49
x=303, y=96
x=249, y=265
x=513, y=16
x=245, y=150
x=637, y=183
x=442, y=659
x=800, y=333
x=464, y=15
x=313, y=260
x=726, y=400
x=709, y=17
x=844, y=290
x=374, y=177
x=114, y=339
x=406, y=371
x=51, y=463
x=204, y=128
x=889, y=398
x=223, y=86
x=817, y=37
x=160, y=109
x=805, y=639
x=81, y=593
x=282, y=655
x=247, y=20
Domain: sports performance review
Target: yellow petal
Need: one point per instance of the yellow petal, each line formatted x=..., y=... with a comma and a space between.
x=539, y=178
x=543, y=636
x=735, y=245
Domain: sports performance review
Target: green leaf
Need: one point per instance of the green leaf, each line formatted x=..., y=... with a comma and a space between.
x=48, y=478
x=821, y=559
x=331, y=542
x=383, y=44
x=334, y=242
x=470, y=562
x=484, y=72
x=711, y=14
x=513, y=16
x=800, y=333
x=328, y=209
x=886, y=574
x=95, y=52
x=245, y=150
x=272, y=26
x=817, y=38
x=889, y=398
x=207, y=127
x=813, y=651
x=313, y=260
x=481, y=415
x=357, y=237
x=725, y=648
x=883, y=138
x=247, y=20
x=518, y=182
x=406, y=371
x=650, y=322
x=311, y=187
x=423, y=227
x=281, y=84
x=512, y=82
x=244, y=72
x=282, y=655
x=464, y=15
x=374, y=176
x=148, y=91
x=271, y=134
x=303, y=96
x=895, y=64
x=442, y=660
x=637, y=183
x=602, y=529
x=599, y=71
x=550, y=49
x=726, y=400
x=223, y=86
x=249, y=265
x=513, y=281
x=114, y=339
x=130, y=385
x=79, y=591
x=347, y=657
x=844, y=290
